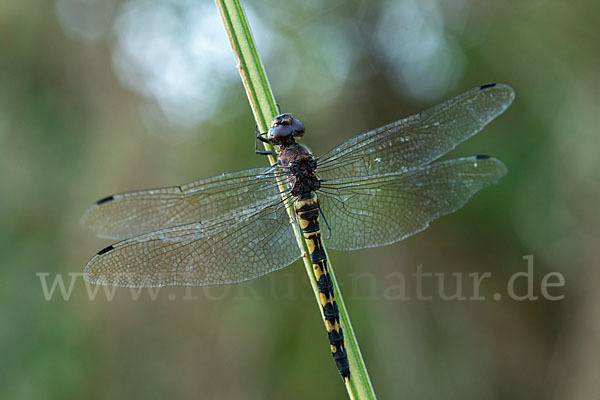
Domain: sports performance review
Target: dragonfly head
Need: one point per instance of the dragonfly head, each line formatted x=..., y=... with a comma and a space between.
x=284, y=129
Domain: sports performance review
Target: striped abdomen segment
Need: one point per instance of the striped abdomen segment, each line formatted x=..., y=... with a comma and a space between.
x=307, y=211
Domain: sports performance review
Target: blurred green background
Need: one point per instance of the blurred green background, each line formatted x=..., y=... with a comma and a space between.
x=103, y=96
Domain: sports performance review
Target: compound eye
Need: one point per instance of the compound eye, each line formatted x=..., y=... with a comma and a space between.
x=280, y=133
x=298, y=127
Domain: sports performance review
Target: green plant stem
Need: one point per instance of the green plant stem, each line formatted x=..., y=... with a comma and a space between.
x=264, y=109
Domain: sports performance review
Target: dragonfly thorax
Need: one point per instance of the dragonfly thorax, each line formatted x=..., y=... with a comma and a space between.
x=300, y=164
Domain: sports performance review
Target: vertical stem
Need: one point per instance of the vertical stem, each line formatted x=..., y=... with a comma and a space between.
x=264, y=109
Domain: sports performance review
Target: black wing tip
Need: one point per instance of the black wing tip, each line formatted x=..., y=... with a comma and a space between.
x=485, y=159
x=487, y=86
x=105, y=250
x=105, y=200
x=503, y=93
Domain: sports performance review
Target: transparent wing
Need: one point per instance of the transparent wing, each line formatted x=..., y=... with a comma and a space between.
x=196, y=255
x=207, y=200
x=419, y=139
x=378, y=210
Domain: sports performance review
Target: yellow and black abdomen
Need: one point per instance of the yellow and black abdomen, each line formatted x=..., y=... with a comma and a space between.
x=307, y=211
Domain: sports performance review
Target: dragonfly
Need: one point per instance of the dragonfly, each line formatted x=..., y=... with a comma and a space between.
x=372, y=190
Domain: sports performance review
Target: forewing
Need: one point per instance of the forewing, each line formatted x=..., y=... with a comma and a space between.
x=374, y=211
x=207, y=201
x=196, y=255
x=419, y=139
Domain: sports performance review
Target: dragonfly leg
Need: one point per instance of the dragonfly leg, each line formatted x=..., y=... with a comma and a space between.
x=271, y=169
x=259, y=136
x=326, y=223
x=265, y=152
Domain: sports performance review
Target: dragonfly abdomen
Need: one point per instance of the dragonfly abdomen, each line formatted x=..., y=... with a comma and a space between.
x=307, y=211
